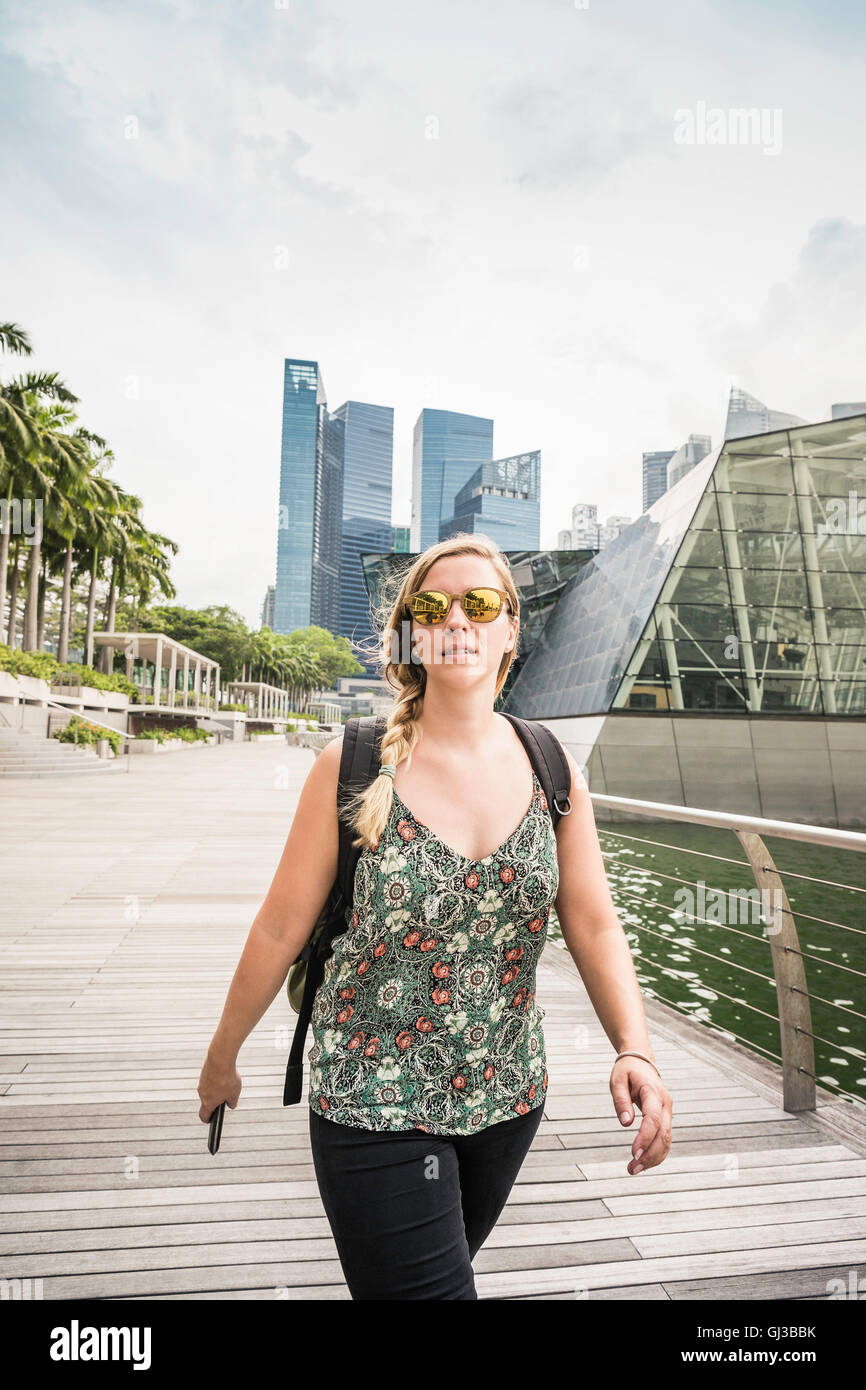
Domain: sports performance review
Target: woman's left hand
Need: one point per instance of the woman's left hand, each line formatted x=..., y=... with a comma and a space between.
x=633, y=1082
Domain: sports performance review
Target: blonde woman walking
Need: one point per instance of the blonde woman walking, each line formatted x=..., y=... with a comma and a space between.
x=428, y=1071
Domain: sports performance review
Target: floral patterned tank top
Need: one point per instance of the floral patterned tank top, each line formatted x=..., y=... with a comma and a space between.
x=426, y=1015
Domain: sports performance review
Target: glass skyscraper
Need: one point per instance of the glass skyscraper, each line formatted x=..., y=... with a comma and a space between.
x=503, y=499
x=335, y=503
x=655, y=475
x=747, y=415
x=688, y=456
x=301, y=498
x=367, y=447
x=447, y=449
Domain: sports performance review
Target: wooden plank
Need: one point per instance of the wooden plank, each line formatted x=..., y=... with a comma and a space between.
x=109, y=998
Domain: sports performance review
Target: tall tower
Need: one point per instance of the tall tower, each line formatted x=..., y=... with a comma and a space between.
x=311, y=501
x=447, y=449
x=747, y=415
x=367, y=445
x=655, y=475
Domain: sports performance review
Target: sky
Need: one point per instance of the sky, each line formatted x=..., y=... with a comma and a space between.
x=520, y=209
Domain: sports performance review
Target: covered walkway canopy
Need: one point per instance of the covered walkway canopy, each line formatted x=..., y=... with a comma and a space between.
x=190, y=682
x=265, y=702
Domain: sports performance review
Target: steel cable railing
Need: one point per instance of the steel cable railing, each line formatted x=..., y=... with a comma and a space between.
x=787, y=956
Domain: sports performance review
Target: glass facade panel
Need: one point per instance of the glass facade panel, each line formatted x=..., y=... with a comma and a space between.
x=833, y=440
x=769, y=513
x=581, y=657
x=846, y=625
x=843, y=552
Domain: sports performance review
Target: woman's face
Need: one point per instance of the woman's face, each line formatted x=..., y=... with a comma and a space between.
x=461, y=649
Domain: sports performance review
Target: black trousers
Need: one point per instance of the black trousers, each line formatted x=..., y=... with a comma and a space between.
x=408, y=1210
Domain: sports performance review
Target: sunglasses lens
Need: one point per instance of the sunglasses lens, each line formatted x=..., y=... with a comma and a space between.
x=429, y=607
x=482, y=605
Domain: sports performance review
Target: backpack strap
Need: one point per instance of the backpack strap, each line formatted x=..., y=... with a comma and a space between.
x=358, y=765
x=548, y=758
x=362, y=738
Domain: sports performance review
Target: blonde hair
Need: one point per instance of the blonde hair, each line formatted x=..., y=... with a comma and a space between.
x=367, y=811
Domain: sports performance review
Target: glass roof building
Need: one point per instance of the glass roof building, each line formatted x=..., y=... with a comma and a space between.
x=737, y=601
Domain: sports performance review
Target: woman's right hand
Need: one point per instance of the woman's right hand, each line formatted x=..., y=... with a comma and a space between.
x=219, y=1081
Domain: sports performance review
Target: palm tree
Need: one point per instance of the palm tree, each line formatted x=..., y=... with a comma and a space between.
x=96, y=540
x=148, y=570
x=22, y=444
x=128, y=535
x=56, y=471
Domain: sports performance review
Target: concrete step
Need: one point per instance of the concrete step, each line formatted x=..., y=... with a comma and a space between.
x=24, y=754
x=99, y=770
x=61, y=765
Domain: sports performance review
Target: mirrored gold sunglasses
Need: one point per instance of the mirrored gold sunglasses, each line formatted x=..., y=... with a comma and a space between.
x=431, y=606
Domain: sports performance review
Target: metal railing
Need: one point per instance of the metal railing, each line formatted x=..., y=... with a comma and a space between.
x=797, y=1038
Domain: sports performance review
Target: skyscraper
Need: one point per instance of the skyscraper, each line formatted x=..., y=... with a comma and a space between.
x=655, y=475
x=335, y=503
x=688, y=456
x=587, y=532
x=502, y=499
x=747, y=415
x=301, y=463
x=447, y=449
x=366, y=434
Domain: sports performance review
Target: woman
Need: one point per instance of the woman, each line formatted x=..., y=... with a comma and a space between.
x=428, y=1072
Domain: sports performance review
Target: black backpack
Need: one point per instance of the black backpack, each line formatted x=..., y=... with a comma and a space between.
x=359, y=764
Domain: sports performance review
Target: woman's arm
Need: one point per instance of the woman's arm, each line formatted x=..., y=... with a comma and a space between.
x=282, y=926
x=598, y=946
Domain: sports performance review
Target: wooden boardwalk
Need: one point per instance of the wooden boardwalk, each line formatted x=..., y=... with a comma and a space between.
x=125, y=903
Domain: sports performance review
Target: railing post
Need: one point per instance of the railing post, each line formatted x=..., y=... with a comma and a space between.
x=792, y=990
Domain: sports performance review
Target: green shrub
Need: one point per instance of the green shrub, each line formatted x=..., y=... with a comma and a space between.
x=79, y=730
x=182, y=734
x=72, y=673
x=42, y=665
x=45, y=666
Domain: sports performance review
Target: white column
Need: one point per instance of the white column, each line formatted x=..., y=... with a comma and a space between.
x=157, y=675
x=172, y=680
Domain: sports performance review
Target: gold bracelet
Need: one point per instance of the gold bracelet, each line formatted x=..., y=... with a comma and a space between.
x=642, y=1057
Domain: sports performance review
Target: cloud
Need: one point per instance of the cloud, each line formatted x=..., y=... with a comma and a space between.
x=474, y=206
x=806, y=346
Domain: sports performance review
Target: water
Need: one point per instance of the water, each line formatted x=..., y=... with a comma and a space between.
x=661, y=867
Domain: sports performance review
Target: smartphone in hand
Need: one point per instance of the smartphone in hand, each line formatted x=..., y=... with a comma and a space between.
x=215, y=1128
